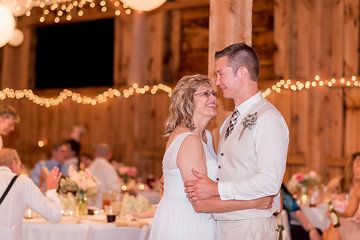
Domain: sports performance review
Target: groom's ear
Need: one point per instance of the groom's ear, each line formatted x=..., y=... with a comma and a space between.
x=242, y=73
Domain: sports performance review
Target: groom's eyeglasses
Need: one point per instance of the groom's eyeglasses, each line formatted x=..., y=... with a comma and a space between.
x=206, y=94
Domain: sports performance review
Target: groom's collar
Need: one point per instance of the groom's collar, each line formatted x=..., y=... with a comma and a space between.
x=244, y=107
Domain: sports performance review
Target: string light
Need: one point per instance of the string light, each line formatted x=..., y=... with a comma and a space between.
x=80, y=99
x=66, y=10
x=135, y=89
x=298, y=86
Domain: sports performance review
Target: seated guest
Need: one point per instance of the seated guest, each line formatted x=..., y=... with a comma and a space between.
x=349, y=219
x=58, y=156
x=72, y=156
x=104, y=172
x=300, y=226
x=85, y=160
x=77, y=132
x=25, y=193
x=8, y=118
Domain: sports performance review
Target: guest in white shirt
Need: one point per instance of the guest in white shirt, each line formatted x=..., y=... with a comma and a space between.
x=104, y=173
x=25, y=193
x=252, y=149
x=8, y=118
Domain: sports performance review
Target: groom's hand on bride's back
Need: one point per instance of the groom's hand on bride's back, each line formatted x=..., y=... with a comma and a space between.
x=201, y=188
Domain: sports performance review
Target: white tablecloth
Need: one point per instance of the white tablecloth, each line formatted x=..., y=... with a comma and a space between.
x=85, y=228
x=317, y=216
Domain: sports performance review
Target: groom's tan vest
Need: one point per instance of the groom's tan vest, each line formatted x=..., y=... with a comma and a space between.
x=237, y=160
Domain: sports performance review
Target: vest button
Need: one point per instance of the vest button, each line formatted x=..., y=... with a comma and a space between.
x=217, y=179
x=221, y=154
x=219, y=167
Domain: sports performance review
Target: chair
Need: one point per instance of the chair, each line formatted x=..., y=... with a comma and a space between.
x=282, y=221
x=7, y=233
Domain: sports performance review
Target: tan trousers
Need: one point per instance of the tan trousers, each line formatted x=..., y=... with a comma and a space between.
x=248, y=229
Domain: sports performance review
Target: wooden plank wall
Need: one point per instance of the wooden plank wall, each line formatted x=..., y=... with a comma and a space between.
x=318, y=38
x=295, y=39
x=146, y=52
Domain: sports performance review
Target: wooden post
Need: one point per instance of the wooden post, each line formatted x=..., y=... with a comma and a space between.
x=16, y=60
x=230, y=22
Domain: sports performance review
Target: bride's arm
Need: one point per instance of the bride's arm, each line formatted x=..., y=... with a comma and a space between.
x=216, y=205
x=191, y=156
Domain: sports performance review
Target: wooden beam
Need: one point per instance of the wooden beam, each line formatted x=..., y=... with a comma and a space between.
x=336, y=162
x=296, y=159
x=177, y=5
x=351, y=36
x=230, y=22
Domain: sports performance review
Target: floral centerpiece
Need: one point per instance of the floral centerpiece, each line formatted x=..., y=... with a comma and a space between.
x=127, y=173
x=81, y=184
x=132, y=204
x=302, y=182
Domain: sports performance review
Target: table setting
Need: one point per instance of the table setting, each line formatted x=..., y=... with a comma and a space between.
x=85, y=227
x=122, y=216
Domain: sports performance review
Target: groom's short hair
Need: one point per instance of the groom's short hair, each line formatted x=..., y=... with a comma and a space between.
x=241, y=55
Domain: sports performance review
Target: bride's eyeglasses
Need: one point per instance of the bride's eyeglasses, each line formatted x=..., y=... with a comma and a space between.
x=206, y=94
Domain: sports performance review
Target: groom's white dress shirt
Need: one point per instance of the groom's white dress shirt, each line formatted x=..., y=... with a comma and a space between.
x=252, y=160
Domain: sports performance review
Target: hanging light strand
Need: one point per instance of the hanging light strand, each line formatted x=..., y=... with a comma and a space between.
x=278, y=87
x=80, y=99
x=66, y=10
x=317, y=82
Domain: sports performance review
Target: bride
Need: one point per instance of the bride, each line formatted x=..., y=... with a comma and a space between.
x=193, y=105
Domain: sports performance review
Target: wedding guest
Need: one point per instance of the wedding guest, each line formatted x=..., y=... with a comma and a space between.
x=85, y=160
x=300, y=226
x=57, y=158
x=8, y=118
x=72, y=155
x=105, y=173
x=25, y=193
x=77, y=132
x=349, y=219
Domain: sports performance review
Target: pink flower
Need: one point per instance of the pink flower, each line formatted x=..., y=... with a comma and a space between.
x=299, y=177
x=123, y=170
x=132, y=171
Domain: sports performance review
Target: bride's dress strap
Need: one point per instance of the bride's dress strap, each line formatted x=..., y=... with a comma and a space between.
x=170, y=156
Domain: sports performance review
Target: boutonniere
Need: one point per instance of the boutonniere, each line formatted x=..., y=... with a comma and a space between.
x=248, y=121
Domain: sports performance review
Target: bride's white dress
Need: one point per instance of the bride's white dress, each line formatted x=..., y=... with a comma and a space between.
x=175, y=218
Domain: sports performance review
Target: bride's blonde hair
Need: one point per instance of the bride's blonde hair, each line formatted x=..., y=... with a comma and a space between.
x=182, y=104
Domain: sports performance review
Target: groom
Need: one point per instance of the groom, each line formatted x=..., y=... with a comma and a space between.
x=252, y=149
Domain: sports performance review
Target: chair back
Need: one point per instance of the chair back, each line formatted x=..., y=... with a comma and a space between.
x=282, y=221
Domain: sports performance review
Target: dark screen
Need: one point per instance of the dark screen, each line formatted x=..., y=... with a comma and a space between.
x=75, y=55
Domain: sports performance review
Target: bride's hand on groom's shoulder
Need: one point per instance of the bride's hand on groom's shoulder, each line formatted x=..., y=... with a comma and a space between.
x=264, y=202
x=201, y=188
